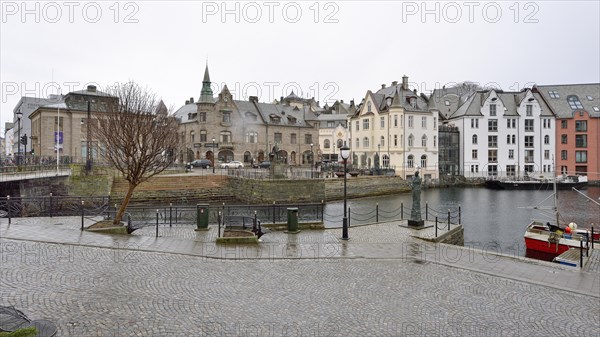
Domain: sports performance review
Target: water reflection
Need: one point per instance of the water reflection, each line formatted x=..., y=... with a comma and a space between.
x=492, y=219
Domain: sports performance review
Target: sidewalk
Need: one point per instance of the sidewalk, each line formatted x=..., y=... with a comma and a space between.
x=378, y=241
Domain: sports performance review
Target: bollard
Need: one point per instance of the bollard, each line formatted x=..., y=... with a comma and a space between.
x=51, y=204
x=459, y=215
x=436, y=222
x=255, y=224
x=322, y=210
x=587, y=244
x=156, y=223
x=580, y=254
x=592, y=236
x=401, y=211
x=273, y=211
x=448, y=219
x=219, y=222
x=170, y=214
x=426, y=211
x=8, y=205
x=349, y=216
x=377, y=212
x=82, y=212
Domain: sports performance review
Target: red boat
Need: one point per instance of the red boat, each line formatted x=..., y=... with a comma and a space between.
x=553, y=240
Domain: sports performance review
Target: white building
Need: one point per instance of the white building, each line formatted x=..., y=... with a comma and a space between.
x=333, y=131
x=398, y=126
x=502, y=133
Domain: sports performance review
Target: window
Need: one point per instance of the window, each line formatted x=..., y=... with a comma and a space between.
x=529, y=125
x=357, y=143
x=563, y=155
x=331, y=124
x=395, y=140
x=226, y=117
x=510, y=170
x=546, y=154
x=413, y=102
x=507, y=139
x=563, y=139
x=493, y=125
x=434, y=141
x=225, y=137
x=424, y=122
x=511, y=154
x=278, y=137
x=529, y=156
x=410, y=122
x=203, y=136
x=563, y=124
x=529, y=110
x=395, y=121
x=192, y=137
x=528, y=141
x=202, y=117
x=447, y=103
x=589, y=98
x=293, y=139
x=492, y=170
x=510, y=123
x=581, y=156
x=597, y=109
x=369, y=107
x=546, y=139
x=424, y=141
x=411, y=140
x=474, y=139
x=410, y=162
x=474, y=123
x=382, y=141
x=563, y=170
x=492, y=141
x=514, y=139
x=580, y=140
x=493, y=156
x=547, y=124
x=386, y=160
x=581, y=126
x=474, y=168
x=435, y=123
x=553, y=94
x=492, y=109
x=473, y=154
x=252, y=137
x=357, y=123
x=365, y=124
x=528, y=168
x=381, y=122
x=423, y=161
x=308, y=139
x=574, y=102
x=366, y=142
x=326, y=144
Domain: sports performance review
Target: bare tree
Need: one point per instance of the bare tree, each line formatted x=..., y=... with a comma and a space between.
x=137, y=135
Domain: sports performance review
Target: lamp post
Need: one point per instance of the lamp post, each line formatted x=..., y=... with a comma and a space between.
x=312, y=160
x=214, y=149
x=88, y=153
x=19, y=115
x=345, y=154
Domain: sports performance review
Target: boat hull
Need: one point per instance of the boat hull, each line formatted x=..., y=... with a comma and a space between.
x=531, y=185
x=545, y=246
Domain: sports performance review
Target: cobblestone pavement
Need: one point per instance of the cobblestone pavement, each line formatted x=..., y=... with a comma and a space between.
x=109, y=285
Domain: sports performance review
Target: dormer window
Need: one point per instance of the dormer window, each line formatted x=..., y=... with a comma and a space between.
x=574, y=102
x=413, y=102
x=192, y=115
x=369, y=107
x=447, y=102
x=553, y=94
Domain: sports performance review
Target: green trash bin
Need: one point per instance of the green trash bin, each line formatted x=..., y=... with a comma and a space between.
x=202, y=217
x=292, y=220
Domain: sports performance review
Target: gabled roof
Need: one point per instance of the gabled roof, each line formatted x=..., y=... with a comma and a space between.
x=560, y=106
x=510, y=100
x=183, y=112
x=404, y=95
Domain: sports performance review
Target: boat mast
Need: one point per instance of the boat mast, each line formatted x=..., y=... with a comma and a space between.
x=555, y=194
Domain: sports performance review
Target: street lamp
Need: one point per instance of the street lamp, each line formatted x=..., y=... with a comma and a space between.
x=88, y=153
x=345, y=154
x=19, y=115
x=214, y=149
x=312, y=160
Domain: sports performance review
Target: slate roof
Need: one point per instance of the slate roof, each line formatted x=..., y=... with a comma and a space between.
x=560, y=106
x=183, y=112
x=382, y=95
x=472, y=106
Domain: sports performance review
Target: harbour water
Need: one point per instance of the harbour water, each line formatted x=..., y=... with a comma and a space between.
x=494, y=220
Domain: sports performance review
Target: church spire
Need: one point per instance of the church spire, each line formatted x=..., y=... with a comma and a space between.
x=206, y=95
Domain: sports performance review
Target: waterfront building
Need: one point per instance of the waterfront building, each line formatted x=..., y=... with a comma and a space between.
x=502, y=134
x=333, y=129
x=247, y=131
x=577, y=132
x=397, y=127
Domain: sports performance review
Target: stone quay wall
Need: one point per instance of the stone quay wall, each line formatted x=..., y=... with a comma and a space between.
x=364, y=186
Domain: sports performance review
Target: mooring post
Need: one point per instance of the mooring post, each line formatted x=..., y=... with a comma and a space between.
x=273, y=211
x=448, y=219
x=436, y=222
x=349, y=217
x=170, y=214
x=592, y=236
x=580, y=254
x=8, y=203
x=51, y=205
x=401, y=211
x=82, y=211
x=157, y=223
x=377, y=212
x=426, y=211
x=459, y=215
x=219, y=222
x=322, y=210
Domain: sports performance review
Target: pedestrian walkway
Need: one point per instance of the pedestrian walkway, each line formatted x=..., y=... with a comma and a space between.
x=378, y=241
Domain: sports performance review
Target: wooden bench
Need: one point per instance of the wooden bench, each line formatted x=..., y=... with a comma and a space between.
x=245, y=223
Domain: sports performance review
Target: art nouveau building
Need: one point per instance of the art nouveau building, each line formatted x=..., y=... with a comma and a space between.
x=398, y=128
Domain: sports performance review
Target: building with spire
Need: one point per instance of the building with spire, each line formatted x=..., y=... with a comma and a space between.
x=223, y=129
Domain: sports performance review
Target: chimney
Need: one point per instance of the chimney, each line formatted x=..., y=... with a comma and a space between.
x=187, y=102
x=281, y=101
x=394, y=83
x=91, y=88
x=383, y=86
x=405, y=82
x=415, y=91
x=191, y=99
x=253, y=99
x=341, y=101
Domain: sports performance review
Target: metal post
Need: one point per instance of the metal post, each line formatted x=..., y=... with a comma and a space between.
x=273, y=211
x=580, y=254
x=377, y=212
x=592, y=236
x=8, y=203
x=448, y=219
x=156, y=223
x=82, y=212
x=255, y=224
x=426, y=211
x=214, y=159
x=322, y=208
x=459, y=215
x=170, y=214
x=88, y=154
x=219, y=222
x=51, y=204
x=19, y=137
x=436, y=222
x=345, y=222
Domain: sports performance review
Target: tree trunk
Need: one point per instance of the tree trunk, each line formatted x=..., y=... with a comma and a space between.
x=124, y=204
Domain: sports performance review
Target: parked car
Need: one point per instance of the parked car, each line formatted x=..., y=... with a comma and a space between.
x=263, y=164
x=232, y=164
x=203, y=163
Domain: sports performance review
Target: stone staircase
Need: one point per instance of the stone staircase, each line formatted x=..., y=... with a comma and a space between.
x=177, y=189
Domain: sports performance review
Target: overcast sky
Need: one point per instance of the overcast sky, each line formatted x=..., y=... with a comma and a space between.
x=327, y=50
